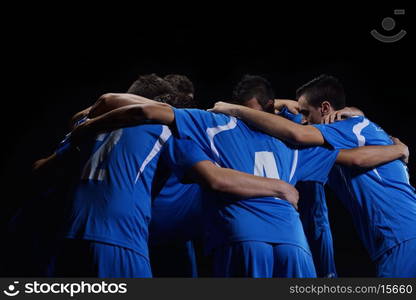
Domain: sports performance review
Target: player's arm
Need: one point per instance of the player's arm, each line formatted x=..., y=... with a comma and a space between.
x=78, y=116
x=55, y=166
x=341, y=114
x=130, y=115
x=241, y=184
x=106, y=103
x=372, y=156
x=293, y=107
x=44, y=164
x=110, y=101
x=273, y=125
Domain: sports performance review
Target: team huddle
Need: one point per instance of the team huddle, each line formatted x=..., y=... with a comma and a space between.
x=147, y=173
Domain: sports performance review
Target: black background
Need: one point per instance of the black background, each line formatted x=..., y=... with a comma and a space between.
x=58, y=60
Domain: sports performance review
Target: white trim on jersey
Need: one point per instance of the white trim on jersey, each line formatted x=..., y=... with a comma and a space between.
x=357, y=131
x=294, y=164
x=361, y=139
x=164, y=136
x=213, y=131
x=91, y=170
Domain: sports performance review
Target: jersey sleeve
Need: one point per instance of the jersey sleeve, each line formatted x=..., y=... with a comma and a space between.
x=285, y=113
x=314, y=163
x=182, y=154
x=344, y=134
x=194, y=124
x=65, y=145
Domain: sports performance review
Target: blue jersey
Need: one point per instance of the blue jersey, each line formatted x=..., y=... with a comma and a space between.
x=232, y=144
x=111, y=203
x=314, y=216
x=381, y=200
x=176, y=213
x=285, y=113
x=177, y=207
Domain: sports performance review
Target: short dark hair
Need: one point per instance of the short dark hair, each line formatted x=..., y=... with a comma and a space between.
x=177, y=100
x=150, y=86
x=323, y=88
x=181, y=83
x=253, y=86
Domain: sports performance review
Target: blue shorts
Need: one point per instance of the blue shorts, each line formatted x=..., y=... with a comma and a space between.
x=81, y=258
x=262, y=260
x=323, y=254
x=399, y=261
x=173, y=260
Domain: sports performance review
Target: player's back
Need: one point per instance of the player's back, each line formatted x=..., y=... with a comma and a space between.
x=381, y=200
x=232, y=144
x=111, y=202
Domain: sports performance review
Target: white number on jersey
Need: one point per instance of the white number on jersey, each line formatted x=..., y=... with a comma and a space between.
x=265, y=165
x=91, y=170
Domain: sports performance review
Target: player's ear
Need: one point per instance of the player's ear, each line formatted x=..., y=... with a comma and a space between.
x=269, y=107
x=325, y=108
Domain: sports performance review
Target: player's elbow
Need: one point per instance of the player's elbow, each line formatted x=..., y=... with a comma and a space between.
x=102, y=105
x=358, y=161
x=105, y=99
x=157, y=113
x=147, y=111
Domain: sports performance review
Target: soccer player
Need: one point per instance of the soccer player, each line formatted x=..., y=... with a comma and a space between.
x=176, y=212
x=257, y=237
x=381, y=199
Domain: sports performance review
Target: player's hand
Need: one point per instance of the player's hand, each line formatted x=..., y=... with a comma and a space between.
x=225, y=108
x=292, y=106
x=38, y=164
x=405, y=149
x=289, y=193
x=338, y=115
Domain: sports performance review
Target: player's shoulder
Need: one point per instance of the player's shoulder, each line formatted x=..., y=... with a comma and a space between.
x=353, y=120
x=210, y=118
x=363, y=124
x=144, y=129
x=196, y=112
x=346, y=123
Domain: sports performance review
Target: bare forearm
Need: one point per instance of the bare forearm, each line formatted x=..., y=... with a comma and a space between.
x=246, y=185
x=78, y=116
x=370, y=156
x=356, y=111
x=125, y=116
x=111, y=101
x=53, y=168
x=241, y=184
x=280, y=127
